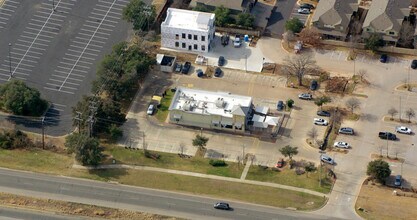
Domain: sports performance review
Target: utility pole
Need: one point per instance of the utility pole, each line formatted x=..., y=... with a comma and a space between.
x=90, y=121
x=10, y=60
x=243, y=151
x=321, y=167
x=408, y=80
x=246, y=63
x=201, y=132
x=400, y=108
x=43, y=132
x=387, y=145
x=79, y=119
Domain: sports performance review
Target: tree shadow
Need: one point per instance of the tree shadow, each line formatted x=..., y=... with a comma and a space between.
x=109, y=174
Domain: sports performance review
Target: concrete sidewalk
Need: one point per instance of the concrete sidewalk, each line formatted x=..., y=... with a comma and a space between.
x=201, y=175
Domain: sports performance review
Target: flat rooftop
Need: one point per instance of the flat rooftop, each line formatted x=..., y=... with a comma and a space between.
x=187, y=19
x=210, y=103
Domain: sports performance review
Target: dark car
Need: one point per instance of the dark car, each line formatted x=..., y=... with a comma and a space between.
x=222, y=205
x=383, y=58
x=186, y=68
x=280, y=163
x=217, y=72
x=221, y=61
x=178, y=67
x=398, y=180
x=414, y=64
x=387, y=135
x=309, y=6
x=313, y=85
x=323, y=113
x=199, y=72
x=280, y=105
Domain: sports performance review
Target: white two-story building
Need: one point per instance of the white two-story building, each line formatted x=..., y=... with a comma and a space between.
x=187, y=30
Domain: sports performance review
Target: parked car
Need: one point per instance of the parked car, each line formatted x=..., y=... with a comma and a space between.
x=151, y=109
x=186, y=68
x=314, y=84
x=280, y=163
x=280, y=105
x=222, y=205
x=221, y=61
x=308, y=6
x=341, y=144
x=304, y=11
x=178, y=67
x=323, y=113
x=403, y=130
x=383, y=58
x=398, y=180
x=327, y=159
x=346, y=130
x=320, y=121
x=414, y=64
x=237, y=42
x=305, y=96
x=199, y=72
x=225, y=39
x=217, y=72
x=387, y=135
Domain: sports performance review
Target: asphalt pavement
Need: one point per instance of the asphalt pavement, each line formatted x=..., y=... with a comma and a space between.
x=7, y=213
x=280, y=14
x=136, y=198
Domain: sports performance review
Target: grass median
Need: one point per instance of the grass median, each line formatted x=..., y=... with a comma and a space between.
x=162, y=112
x=61, y=164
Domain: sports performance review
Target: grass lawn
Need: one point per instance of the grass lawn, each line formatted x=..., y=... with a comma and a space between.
x=162, y=112
x=222, y=189
x=379, y=203
x=174, y=162
x=290, y=178
x=60, y=164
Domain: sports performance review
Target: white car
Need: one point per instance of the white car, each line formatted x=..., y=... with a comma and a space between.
x=305, y=96
x=341, y=144
x=303, y=11
x=237, y=42
x=327, y=159
x=151, y=109
x=403, y=130
x=320, y=121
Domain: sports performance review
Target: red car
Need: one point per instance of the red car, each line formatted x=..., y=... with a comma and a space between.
x=280, y=163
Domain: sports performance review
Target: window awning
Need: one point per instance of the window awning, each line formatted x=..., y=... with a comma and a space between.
x=215, y=122
x=238, y=124
x=177, y=116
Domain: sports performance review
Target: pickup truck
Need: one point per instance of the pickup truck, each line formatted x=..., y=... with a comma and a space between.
x=387, y=135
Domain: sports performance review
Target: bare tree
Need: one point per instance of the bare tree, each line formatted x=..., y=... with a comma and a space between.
x=299, y=66
x=310, y=36
x=362, y=73
x=410, y=114
x=353, y=103
x=406, y=35
x=239, y=160
x=287, y=37
x=182, y=148
x=392, y=111
x=313, y=133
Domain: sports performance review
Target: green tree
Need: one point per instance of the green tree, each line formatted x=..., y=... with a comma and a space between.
x=18, y=98
x=87, y=150
x=294, y=25
x=222, y=16
x=320, y=101
x=14, y=139
x=379, y=170
x=245, y=20
x=115, y=132
x=140, y=15
x=289, y=151
x=200, y=141
x=201, y=8
x=373, y=42
x=309, y=167
x=290, y=103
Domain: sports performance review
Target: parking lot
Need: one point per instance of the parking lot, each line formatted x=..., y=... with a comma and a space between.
x=302, y=17
x=7, y=9
x=56, y=49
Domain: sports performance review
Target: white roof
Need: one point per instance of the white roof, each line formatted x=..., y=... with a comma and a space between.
x=261, y=121
x=187, y=19
x=210, y=103
x=262, y=109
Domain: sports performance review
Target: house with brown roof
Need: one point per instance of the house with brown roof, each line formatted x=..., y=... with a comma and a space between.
x=385, y=17
x=332, y=17
x=235, y=6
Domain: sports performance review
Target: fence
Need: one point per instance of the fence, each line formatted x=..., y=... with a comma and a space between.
x=239, y=31
x=388, y=49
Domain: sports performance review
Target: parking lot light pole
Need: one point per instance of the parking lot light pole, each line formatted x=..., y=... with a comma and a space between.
x=10, y=60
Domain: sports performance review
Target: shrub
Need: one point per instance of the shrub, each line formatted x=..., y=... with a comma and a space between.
x=290, y=103
x=15, y=139
x=218, y=163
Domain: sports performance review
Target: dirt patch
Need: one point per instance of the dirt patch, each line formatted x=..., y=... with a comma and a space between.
x=77, y=209
x=379, y=202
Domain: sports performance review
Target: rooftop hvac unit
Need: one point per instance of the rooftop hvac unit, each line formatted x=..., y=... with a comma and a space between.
x=187, y=106
x=220, y=103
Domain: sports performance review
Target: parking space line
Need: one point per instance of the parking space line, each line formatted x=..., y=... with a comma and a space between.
x=70, y=64
x=98, y=51
x=59, y=76
x=102, y=42
x=81, y=61
x=56, y=90
x=65, y=73
x=7, y=66
x=93, y=31
x=78, y=42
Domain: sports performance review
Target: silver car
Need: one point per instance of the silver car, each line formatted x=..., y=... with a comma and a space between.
x=327, y=159
x=403, y=130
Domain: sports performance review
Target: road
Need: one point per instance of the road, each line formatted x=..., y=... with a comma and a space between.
x=15, y=214
x=136, y=198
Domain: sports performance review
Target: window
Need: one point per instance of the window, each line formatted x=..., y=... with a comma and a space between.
x=195, y=37
x=183, y=35
x=391, y=33
x=177, y=36
x=189, y=36
x=203, y=47
x=195, y=47
x=203, y=38
x=177, y=44
x=183, y=45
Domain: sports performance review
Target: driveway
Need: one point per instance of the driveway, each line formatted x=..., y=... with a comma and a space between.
x=280, y=14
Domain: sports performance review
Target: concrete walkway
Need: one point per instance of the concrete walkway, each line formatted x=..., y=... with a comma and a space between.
x=201, y=175
x=245, y=171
